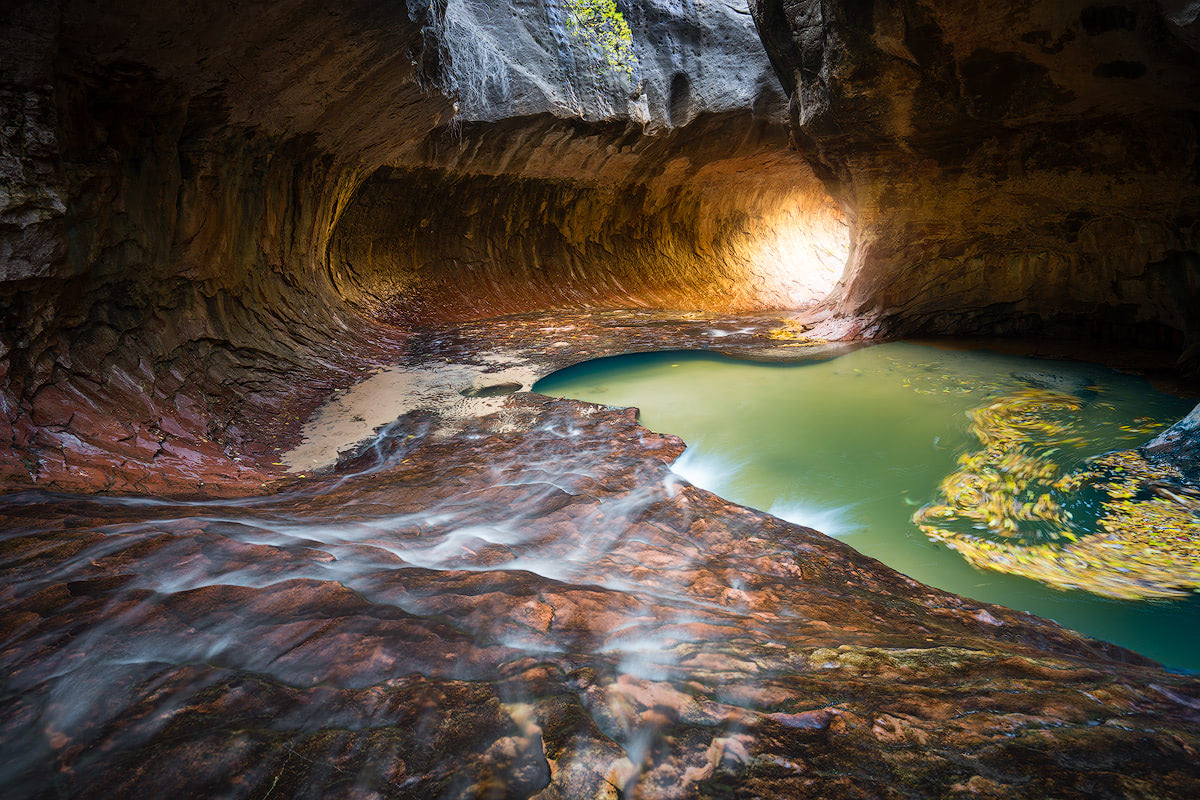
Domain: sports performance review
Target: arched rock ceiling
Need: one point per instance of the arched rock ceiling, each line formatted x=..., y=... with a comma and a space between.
x=175, y=172
x=1020, y=168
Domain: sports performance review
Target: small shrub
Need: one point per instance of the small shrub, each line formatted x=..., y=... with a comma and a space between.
x=601, y=22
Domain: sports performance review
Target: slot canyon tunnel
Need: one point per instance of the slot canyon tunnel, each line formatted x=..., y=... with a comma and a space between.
x=218, y=219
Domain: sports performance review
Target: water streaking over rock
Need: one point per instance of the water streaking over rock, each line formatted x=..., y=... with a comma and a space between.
x=490, y=610
x=854, y=445
x=531, y=605
x=832, y=521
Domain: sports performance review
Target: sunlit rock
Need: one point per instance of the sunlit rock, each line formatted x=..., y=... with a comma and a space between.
x=233, y=231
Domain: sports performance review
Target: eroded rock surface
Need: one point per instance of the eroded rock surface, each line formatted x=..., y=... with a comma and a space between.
x=685, y=58
x=717, y=216
x=543, y=612
x=531, y=605
x=199, y=158
x=174, y=176
x=1026, y=167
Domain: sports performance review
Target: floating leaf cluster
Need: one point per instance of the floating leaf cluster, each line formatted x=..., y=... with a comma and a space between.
x=1004, y=485
x=1004, y=508
x=933, y=378
x=791, y=333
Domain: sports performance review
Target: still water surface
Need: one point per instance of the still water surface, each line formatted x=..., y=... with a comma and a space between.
x=853, y=445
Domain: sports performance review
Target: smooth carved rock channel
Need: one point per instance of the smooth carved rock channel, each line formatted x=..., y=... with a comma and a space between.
x=238, y=238
x=1024, y=168
x=531, y=603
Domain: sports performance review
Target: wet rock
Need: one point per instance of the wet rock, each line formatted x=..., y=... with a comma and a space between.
x=357, y=633
x=274, y=276
x=196, y=255
x=1015, y=172
x=1179, y=446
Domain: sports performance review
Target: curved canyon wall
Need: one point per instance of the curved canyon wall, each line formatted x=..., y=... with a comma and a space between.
x=213, y=216
x=173, y=176
x=716, y=216
x=1015, y=168
x=173, y=173
x=658, y=176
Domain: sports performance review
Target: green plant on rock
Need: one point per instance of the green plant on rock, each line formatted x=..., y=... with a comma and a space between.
x=601, y=22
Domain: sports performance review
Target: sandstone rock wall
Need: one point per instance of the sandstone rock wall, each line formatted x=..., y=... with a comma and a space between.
x=1025, y=167
x=719, y=215
x=172, y=175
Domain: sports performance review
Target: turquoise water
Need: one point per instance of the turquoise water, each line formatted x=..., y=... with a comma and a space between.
x=854, y=445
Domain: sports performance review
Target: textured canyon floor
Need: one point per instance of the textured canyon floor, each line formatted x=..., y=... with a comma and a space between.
x=531, y=604
x=214, y=217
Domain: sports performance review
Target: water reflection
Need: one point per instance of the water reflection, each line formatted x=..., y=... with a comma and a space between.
x=473, y=613
x=855, y=445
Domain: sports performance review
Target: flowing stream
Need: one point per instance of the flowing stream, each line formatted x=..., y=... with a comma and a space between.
x=498, y=590
x=854, y=446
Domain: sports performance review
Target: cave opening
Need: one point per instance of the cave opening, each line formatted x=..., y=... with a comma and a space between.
x=709, y=227
x=281, y=515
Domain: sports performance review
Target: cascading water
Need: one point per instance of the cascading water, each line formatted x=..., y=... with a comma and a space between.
x=488, y=603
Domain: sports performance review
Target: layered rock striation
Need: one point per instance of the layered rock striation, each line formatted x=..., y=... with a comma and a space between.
x=174, y=176
x=537, y=215
x=1014, y=168
x=547, y=612
x=211, y=215
x=199, y=158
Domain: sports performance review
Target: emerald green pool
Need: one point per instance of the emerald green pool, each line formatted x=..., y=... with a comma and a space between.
x=854, y=445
